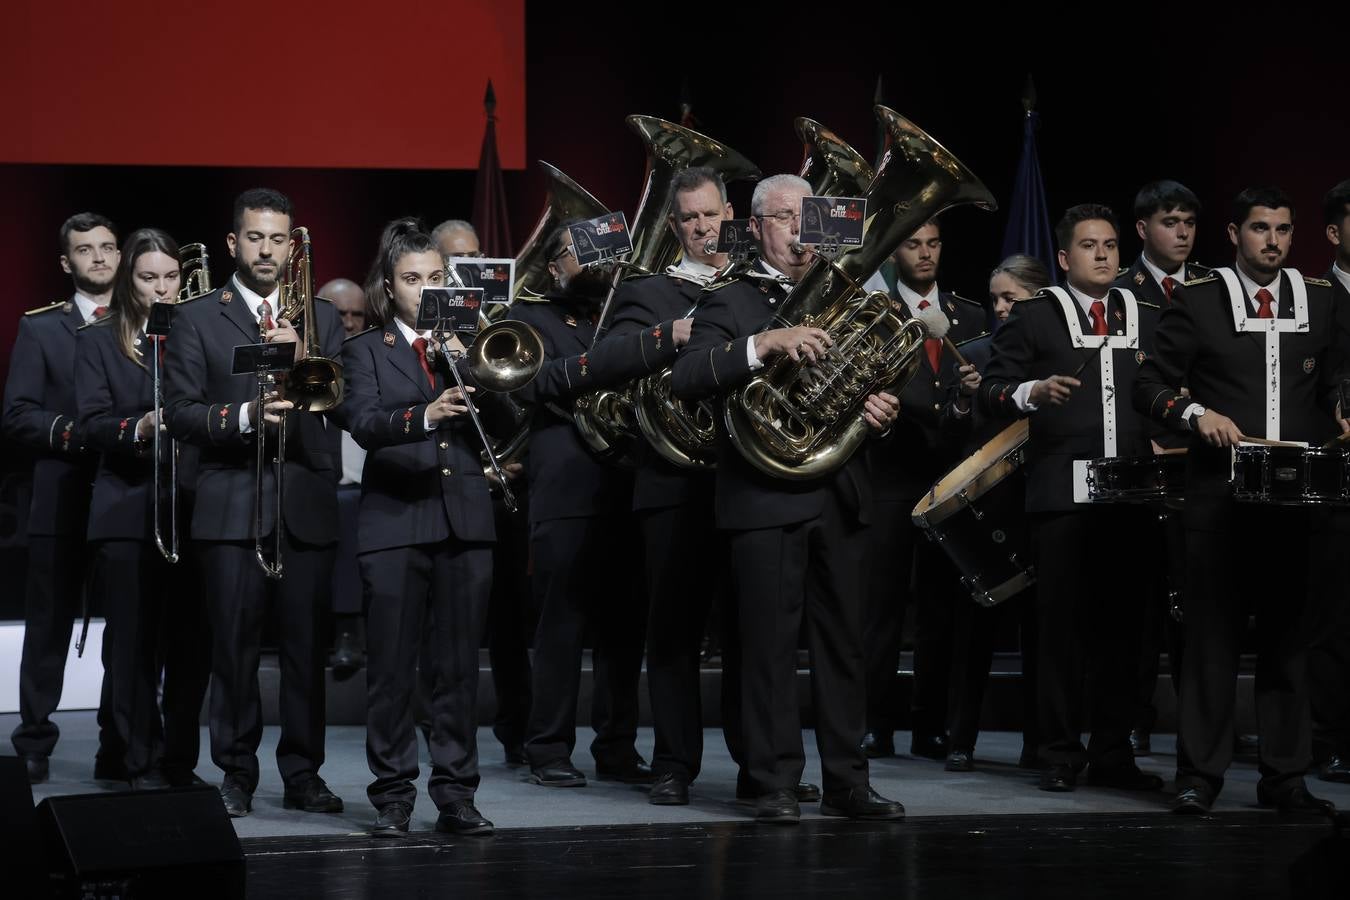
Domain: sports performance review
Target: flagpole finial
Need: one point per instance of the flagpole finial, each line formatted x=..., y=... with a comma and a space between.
x=1029, y=95
x=879, y=95
x=490, y=100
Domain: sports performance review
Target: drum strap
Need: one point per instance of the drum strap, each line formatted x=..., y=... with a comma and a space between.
x=1272, y=329
x=1127, y=341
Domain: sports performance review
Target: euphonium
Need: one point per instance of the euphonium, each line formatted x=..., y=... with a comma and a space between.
x=196, y=276
x=605, y=418
x=313, y=384
x=799, y=421
x=565, y=200
x=685, y=432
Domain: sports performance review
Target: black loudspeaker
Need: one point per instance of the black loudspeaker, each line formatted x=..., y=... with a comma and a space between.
x=147, y=844
x=20, y=853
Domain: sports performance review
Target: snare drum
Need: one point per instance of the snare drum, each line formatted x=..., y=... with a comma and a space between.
x=1156, y=479
x=1290, y=476
x=977, y=514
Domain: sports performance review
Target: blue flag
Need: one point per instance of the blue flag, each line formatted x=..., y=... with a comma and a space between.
x=1028, y=217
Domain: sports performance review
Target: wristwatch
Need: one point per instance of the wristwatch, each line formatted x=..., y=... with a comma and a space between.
x=1193, y=419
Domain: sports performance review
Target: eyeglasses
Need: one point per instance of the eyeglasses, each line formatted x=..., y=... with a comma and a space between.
x=566, y=250
x=782, y=217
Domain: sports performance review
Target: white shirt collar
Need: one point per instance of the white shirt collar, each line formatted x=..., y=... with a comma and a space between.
x=1341, y=275
x=1083, y=299
x=913, y=298
x=1158, y=274
x=253, y=299
x=409, y=334
x=775, y=273
x=693, y=270
x=1251, y=287
x=86, y=306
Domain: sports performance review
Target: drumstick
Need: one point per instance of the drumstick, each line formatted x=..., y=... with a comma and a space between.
x=960, y=360
x=1266, y=442
x=1091, y=356
x=1339, y=440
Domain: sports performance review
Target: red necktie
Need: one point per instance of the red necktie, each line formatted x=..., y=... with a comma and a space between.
x=420, y=348
x=1169, y=284
x=1264, y=298
x=1097, y=313
x=100, y=312
x=933, y=346
x=265, y=315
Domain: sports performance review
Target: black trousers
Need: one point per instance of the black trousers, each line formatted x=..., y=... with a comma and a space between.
x=450, y=580
x=1089, y=598
x=686, y=564
x=1329, y=656
x=237, y=593
x=1161, y=629
x=977, y=629
x=156, y=614
x=1257, y=563
x=348, y=599
x=57, y=566
x=511, y=625
x=584, y=576
x=905, y=567
x=780, y=575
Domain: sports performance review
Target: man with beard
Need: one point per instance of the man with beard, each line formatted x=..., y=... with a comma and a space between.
x=40, y=414
x=1258, y=349
x=220, y=413
x=796, y=546
x=582, y=545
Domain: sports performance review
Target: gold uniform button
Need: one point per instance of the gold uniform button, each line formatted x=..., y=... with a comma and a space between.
x=937, y=406
x=445, y=471
x=445, y=445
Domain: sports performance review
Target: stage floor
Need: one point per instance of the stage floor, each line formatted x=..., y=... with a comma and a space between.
x=989, y=833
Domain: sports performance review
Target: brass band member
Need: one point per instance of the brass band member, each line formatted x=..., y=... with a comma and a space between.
x=40, y=415
x=153, y=607
x=796, y=547
x=218, y=412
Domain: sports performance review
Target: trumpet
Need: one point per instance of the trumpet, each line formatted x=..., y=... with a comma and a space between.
x=314, y=382
x=196, y=275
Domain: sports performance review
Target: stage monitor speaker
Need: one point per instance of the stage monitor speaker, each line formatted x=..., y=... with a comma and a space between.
x=20, y=853
x=145, y=844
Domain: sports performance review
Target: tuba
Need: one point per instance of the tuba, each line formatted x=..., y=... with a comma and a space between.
x=798, y=421
x=605, y=418
x=313, y=384
x=566, y=200
x=684, y=432
x=196, y=274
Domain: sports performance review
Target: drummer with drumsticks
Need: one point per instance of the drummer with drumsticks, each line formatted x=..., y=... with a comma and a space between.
x=1258, y=349
x=1066, y=359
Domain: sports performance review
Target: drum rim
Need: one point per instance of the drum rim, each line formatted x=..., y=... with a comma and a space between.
x=933, y=508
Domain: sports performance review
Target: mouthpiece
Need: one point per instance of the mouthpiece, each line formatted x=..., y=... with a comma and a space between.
x=710, y=246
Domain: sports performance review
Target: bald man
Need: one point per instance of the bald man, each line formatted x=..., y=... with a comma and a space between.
x=350, y=301
x=456, y=237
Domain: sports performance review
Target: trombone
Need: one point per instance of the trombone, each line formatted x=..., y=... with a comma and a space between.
x=314, y=383
x=196, y=273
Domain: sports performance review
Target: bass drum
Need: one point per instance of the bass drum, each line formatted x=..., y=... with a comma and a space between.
x=977, y=514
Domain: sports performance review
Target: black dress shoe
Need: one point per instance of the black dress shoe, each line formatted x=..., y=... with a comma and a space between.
x=960, y=761
x=182, y=777
x=558, y=774
x=311, y=795
x=670, y=789
x=1193, y=801
x=1141, y=742
x=37, y=767
x=929, y=746
x=1336, y=768
x=106, y=769
x=806, y=792
x=152, y=780
x=778, y=808
x=861, y=803
x=460, y=817
x=635, y=772
x=238, y=800
x=392, y=819
x=875, y=746
x=1295, y=801
x=348, y=658
x=1059, y=779
x=1124, y=778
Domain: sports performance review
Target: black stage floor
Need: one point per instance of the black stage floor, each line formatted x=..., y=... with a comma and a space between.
x=1042, y=856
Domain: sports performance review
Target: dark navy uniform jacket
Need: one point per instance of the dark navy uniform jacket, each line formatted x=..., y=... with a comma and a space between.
x=40, y=414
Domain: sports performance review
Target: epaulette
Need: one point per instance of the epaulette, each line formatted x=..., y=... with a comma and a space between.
x=730, y=276
x=976, y=304
x=982, y=336
x=352, y=337
x=63, y=305
x=324, y=299
x=1200, y=271
x=1203, y=279
x=1318, y=282
x=1146, y=304
x=100, y=321
x=1122, y=271
x=193, y=299
x=530, y=299
x=1042, y=294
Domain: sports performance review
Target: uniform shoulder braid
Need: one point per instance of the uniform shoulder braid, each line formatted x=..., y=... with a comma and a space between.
x=63, y=305
x=1316, y=282
x=968, y=302
x=1201, y=280
x=352, y=337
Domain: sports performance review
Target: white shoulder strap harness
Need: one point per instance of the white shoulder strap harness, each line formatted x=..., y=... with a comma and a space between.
x=1272, y=329
x=1127, y=341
